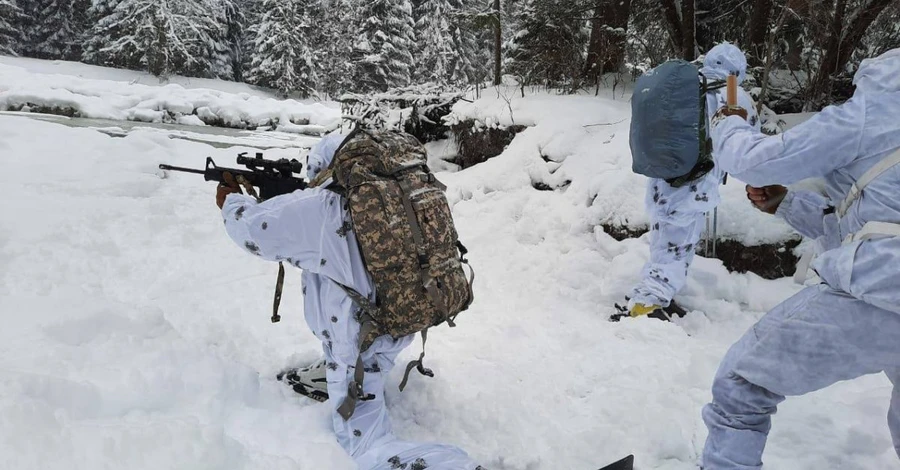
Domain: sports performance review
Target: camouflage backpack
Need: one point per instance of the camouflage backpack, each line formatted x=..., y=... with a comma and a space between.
x=407, y=238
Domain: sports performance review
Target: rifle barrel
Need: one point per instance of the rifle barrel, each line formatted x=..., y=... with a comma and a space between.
x=178, y=168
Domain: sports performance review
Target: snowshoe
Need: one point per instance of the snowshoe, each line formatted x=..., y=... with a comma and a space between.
x=625, y=464
x=660, y=313
x=307, y=381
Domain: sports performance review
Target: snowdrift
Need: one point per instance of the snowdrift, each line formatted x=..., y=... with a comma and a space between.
x=78, y=90
x=579, y=145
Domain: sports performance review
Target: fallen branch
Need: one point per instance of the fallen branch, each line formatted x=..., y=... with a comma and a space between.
x=605, y=123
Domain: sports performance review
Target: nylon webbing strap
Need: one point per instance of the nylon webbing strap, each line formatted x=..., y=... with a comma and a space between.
x=411, y=217
x=355, y=392
x=248, y=187
x=365, y=304
x=803, y=267
x=417, y=363
x=874, y=230
x=427, y=282
x=279, y=287
x=884, y=165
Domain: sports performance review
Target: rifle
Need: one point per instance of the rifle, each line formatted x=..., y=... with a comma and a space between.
x=272, y=177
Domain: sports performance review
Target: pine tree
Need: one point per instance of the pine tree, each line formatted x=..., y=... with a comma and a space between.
x=160, y=36
x=333, y=44
x=282, y=58
x=96, y=37
x=217, y=31
x=548, y=48
x=446, y=45
x=251, y=13
x=11, y=18
x=58, y=28
x=232, y=38
x=382, y=53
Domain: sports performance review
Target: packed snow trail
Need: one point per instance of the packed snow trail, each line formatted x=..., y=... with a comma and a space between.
x=134, y=335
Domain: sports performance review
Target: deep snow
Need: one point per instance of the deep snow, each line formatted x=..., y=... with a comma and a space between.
x=103, y=93
x=134, y=335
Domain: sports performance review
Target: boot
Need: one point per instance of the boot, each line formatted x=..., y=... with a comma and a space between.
x=308, y=381
x=652, y=311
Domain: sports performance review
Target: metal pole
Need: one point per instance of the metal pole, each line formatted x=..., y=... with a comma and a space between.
x=715, y=229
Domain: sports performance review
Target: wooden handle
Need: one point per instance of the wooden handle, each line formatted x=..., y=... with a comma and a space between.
x=732, y=87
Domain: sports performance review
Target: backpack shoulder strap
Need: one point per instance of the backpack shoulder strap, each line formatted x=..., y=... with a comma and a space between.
x=856, y=189
x=714, y=85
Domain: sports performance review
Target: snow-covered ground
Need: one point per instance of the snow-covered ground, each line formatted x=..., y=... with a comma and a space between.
x=98, y=92
x=586, y=140
x=135, y=336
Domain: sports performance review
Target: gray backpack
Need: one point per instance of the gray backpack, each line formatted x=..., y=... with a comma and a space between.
x=669, y=138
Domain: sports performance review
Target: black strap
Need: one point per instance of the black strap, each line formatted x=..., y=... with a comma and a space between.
x=279, y=287
x=418, y=364
x=463, y=251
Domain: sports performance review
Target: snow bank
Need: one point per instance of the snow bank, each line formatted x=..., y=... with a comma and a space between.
x=579, y=144
x=35, y=87
x=136, y=336
x=95, y=72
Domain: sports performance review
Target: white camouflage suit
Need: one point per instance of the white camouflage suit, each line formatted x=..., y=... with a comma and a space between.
x=847, y=326
x=310, y=230
x=677, y=215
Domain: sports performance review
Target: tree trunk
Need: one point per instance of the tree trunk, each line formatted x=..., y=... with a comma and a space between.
x=839, y=45
x=674, y=24
x=689, y=29
x=498, y=40
x=758, y=27
x=609, y=28
x=859, y=24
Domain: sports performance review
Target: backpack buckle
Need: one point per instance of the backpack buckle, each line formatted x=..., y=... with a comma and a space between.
x=424, y=370
x=357, y=393
x=423, y=261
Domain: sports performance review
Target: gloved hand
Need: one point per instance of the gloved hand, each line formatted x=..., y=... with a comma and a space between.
x=229, y=186
x=726, y=111
x=767, y=198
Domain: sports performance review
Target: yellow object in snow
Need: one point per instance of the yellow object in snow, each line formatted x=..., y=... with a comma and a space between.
x=640, y=310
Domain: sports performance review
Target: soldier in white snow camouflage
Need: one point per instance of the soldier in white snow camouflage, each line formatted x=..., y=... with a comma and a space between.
x=310, y=229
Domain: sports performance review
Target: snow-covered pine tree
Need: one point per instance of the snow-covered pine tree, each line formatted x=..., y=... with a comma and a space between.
x=282, y=58
x=382, y=50
x=233, y=38
x=159, y=36
x=217, y=28
x=58, y=28
x=252, y=15
x=446, y=47
x=11, y=18
x=548, y=49
x=474, y=65
x=96, y=38
x=336, y=22
x=187, y=37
